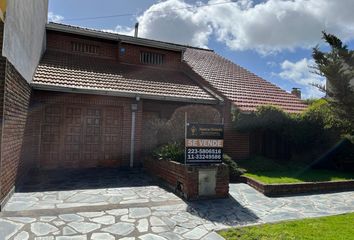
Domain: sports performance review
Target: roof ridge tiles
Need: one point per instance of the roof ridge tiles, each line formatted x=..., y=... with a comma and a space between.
x=67, y=28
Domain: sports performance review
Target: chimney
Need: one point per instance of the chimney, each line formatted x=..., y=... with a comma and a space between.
x=296, y=92
x=136, y=29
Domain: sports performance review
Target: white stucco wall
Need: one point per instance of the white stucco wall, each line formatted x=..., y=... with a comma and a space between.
x=24, y=34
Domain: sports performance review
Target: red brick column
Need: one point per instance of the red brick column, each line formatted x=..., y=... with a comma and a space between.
x=183, y=179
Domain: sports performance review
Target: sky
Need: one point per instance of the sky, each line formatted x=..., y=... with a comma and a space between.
x=271, y=38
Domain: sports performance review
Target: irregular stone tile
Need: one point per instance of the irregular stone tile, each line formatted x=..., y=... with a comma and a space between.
x=209, y=226
x=196, y=233
x=139, y=212
x=159, y=229
x=179, y=219
x=41, y=206
x=87, y=198
x=118, y=212
x=71, y=218
x=22, y=219
x=102, y=236
x=180, y=230
x=91, y=214
x=106, y=220
x=65, y=194
x=120, y=228
x=134, y=201
x=213, y=236
x=47, y=218
x=143, y=225
x=127, y=238
x=68, y=231
x=114, y=200
x=187, y=225
x=78, y=197
x=84, y=227
x=151, y=236
x=155, y=221
x=44, y=238
x=18, y=206
x=58, y=223
x=171, y=236
x=79, y=237
x=126, y=218
x=22, y=236
x=41, y=229
x=169, y=222
x=94, y=192
x=160, y=213
x=24, y=199
x=49, y=198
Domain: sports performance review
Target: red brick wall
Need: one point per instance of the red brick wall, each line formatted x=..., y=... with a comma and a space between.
x=110, y=49
x=16, y=101
x=2, y=80
x=132, y=55
x=237, y=144
x=62, y=42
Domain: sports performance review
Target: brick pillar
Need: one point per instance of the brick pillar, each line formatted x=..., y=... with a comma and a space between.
x=237, y=144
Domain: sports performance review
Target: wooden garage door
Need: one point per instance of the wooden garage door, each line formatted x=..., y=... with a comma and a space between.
x=79, y=136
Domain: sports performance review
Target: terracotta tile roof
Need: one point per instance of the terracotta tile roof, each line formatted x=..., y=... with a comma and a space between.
x=65, y=70
x=242, y=87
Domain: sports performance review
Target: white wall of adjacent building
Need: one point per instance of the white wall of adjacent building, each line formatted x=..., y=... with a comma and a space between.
x=24, y=34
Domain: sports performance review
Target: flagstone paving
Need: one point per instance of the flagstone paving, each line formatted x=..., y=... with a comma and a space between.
x=162, y=216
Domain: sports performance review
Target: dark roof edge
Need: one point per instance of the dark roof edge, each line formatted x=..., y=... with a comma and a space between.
x=45, y=87
x=118, y=37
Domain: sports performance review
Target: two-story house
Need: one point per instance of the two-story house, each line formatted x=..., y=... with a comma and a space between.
x=85, y=103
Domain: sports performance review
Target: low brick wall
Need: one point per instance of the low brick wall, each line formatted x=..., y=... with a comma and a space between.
x=273, y=190
x=183, y=179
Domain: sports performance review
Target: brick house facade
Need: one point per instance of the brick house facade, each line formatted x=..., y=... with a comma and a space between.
x=93, y=91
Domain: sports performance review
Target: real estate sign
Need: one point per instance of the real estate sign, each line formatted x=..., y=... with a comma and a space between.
x=204, y=143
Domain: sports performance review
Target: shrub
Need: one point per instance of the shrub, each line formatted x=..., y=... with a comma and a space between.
x=173, y=152
x=234, y=170
x=309, y=134
x=265, y=117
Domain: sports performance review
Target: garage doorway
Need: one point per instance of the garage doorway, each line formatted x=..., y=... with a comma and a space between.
x=81, y=136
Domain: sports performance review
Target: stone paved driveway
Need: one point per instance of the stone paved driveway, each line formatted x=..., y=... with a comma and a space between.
x=147, y=212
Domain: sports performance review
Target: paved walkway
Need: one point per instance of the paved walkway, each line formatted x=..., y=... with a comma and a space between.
x=150, y=212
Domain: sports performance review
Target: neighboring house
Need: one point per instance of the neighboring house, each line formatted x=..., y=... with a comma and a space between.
x=22, y=43
x=92, y=91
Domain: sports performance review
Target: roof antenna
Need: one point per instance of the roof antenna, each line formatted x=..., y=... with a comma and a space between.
x=136, y=29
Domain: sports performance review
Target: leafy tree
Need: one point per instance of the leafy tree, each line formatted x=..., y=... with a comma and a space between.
x=337, y=66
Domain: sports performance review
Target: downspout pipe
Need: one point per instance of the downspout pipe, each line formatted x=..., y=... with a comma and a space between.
x=134, y=109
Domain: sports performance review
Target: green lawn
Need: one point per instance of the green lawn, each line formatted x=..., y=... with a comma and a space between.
x=326, y=228
x=272, y=172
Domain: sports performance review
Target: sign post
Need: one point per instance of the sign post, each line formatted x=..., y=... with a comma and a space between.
x=204, y=143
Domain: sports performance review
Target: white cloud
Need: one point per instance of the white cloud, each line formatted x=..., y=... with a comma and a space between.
x=121, y=30
x=54, y=17
x=174, y=21
x=268, y=27
x=272, y=64
x=301, y=73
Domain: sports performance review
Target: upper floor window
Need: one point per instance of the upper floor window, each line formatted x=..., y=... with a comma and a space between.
x=151, y=58
x=84, y=48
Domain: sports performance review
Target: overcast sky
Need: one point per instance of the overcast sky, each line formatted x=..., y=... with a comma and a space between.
x=271, y=38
